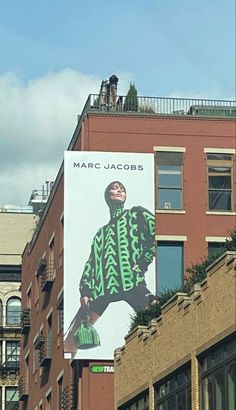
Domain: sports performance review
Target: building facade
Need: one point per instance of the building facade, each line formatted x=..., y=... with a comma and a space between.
x=16, y=228
x=186, y=359
x=194, y=153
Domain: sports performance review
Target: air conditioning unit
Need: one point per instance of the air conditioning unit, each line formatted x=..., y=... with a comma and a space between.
x=167, y=205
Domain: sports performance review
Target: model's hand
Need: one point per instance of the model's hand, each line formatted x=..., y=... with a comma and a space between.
x=85, y=301
x=136, y=268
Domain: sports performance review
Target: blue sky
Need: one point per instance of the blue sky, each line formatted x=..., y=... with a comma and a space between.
x=54, y=53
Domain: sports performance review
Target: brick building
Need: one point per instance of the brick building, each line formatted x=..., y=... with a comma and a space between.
x=17, y=225
x=193, y=142
x=186, y=359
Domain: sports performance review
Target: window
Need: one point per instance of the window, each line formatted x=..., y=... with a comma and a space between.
x=169, y=264
x=51, y=257
x=174, y=392
x=215, y=249
x=36, y=288
x=219, y=182
x=49, y=401
x=35, y=360
x=169, y=180
x=29, y=297
x=60, y=313
x=11, y=398
x=13, y=354
x=59, y=392
x=14, y=311
x=218, y=376
x=49, y=335
x=141, y=402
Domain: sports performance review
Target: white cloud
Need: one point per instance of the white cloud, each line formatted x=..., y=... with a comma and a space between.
x=37, y=121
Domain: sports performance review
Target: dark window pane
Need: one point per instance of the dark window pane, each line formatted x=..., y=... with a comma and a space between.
x=170, y=385
x=169, y=158
x=216, y=248
x=219, y=200
x=169, y=264
x=169, y=198
x=219, y=390
x=219, y=170
x=220, y=182
x=169, y=180
x=161, y=391
x=207, y=393
x=189, y=401
x=170, y=403
x=175, y=169
x=231, y=347
x=181, y=401
x=181, y=379
x=219, y=157
x=231, y=386
x=218, y=356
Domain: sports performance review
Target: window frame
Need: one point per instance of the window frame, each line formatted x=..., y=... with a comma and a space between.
x=172, y=377
x=11, y=314
x=219, y=163
x=178, y=151
x=161, y=241
x=224, y=364
x=135, y=401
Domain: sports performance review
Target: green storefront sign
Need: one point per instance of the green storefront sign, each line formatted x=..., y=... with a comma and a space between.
x=101, y=369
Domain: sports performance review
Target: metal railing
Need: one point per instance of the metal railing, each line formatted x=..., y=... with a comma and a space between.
x=25, y=320
x=47, y=277
x=23, y=387
x=68, y=398
x=162, y=105
x=45, y=352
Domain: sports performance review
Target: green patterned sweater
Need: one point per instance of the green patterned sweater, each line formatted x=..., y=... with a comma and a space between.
x=120, y=254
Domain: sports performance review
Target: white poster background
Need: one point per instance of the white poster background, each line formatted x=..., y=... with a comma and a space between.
x=85, y=211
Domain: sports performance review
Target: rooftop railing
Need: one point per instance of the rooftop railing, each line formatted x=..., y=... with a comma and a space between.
x=161, y=105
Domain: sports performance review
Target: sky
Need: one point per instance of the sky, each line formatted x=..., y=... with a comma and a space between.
x=53, y=54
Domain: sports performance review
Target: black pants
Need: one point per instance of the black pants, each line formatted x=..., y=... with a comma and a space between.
x=138, y=298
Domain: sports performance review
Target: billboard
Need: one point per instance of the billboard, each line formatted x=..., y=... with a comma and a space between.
x=109, y=247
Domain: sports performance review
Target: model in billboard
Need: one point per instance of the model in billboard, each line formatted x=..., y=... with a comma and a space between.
x=121, y=252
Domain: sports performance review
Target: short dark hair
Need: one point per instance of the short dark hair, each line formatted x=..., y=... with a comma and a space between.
x=109, y=187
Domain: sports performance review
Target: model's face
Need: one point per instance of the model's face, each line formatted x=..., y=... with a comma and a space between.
x=117, y=193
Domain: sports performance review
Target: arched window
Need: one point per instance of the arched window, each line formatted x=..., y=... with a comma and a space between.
x=13, y=311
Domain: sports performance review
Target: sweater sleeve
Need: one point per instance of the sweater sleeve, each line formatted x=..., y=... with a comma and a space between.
x=86, y=285
x=146, y=226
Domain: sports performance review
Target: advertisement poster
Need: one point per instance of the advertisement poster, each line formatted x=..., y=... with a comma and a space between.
x=109, y=248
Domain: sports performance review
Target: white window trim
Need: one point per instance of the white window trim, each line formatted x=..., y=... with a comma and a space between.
x=49, y=391
x=60, y=293
x=215, y=238
x=29, y=288
x=35, y=338
x=60, y=375
x=170, y=211
x=217, y=150
x=49, y=313
x=169, y=149
x=176, y=238
x=51, y=238
x=220, y=213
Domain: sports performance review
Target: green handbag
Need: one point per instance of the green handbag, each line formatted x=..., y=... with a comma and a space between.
x=86, y=336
